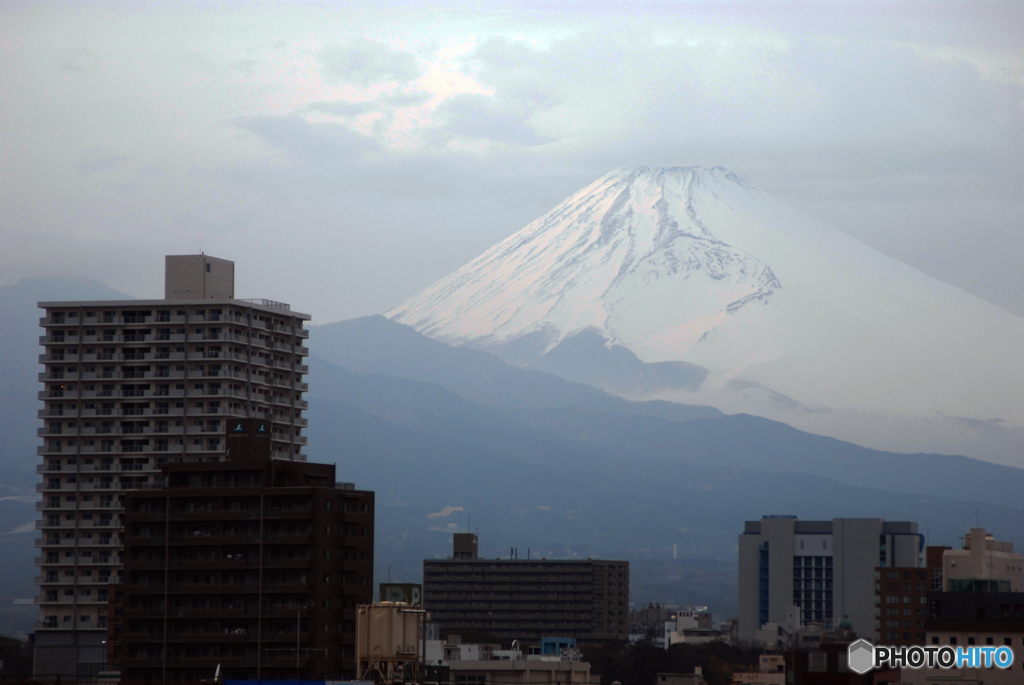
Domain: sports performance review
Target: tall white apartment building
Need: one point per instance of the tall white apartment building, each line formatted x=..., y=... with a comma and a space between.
x=128, y=386
x=818, y=572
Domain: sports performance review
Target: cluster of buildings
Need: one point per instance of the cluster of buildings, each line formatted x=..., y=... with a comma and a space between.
x=668, y=625
x=808, y=588
x=182, y=527
x=184, y=533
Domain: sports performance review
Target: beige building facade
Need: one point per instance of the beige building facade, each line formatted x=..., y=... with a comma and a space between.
x=126, y=387
x=968, y=633
x=771, y=671
x=984, y=559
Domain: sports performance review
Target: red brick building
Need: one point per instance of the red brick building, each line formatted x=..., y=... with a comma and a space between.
x=901, y=599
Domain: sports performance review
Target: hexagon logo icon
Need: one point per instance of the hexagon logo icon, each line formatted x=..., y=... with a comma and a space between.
x=861, y=656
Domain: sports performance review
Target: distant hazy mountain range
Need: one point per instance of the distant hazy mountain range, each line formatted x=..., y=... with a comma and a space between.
x=566, y=469
x=693, y=284
x=446, y=434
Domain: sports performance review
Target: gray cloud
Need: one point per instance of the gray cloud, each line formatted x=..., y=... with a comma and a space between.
x=99, y=160
x=79, y=61
x=386, y=102
x=479, y=116
x=363, y=62
x=341, y=108
x=330, y=144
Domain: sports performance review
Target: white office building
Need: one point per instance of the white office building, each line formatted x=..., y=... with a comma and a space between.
x=825, y=570
x=128, y=386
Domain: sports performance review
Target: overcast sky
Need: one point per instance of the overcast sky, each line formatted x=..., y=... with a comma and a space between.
x=346, y=155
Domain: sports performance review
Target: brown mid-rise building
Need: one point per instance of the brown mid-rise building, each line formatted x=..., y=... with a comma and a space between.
x=901, y=599
x=527, y=599
x=254, y=564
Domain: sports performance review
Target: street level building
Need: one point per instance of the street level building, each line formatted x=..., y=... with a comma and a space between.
x=825, y=570
x=453, y=662
x=252, y=564
x=129, y=386
x=527, y=599
x=771, y=671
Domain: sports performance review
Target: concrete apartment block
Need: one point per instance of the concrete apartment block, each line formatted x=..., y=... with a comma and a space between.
x=126, y=387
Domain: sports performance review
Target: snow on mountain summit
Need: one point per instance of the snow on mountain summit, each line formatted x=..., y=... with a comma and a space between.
x=696, y=265
x=572, y=268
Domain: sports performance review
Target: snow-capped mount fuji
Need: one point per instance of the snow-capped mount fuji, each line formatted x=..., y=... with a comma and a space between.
x=786, y=316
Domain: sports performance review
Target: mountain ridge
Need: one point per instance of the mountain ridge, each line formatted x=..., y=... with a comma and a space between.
x=781, y=315
x=621, y=429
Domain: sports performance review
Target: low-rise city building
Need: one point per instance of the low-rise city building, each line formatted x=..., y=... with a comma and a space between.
x=771, y=670
x=451, y=661
x=692, y=625
x=526, y=599
x=695, y=678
